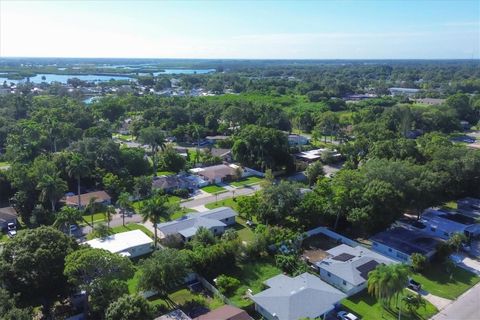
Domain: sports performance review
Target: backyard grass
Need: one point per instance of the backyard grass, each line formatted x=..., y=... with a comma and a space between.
x=246, y=181
x=165, y=173
x=368, y=307
x=123, y=137
x=213, y=189
x=4, y=164
x=452, y=205
x=183, y=296
x=97, y=217
x=436, y=280
x=251, y=276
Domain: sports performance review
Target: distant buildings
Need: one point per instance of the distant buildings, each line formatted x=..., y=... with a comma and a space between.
x=403, y=91
x=297, y=140
x=430, y=101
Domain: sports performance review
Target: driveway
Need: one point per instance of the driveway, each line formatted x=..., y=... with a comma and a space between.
x=465, y=262
x=221, y=196
x=464, y=308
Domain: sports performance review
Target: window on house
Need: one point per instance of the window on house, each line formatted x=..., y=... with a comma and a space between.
x=433, y=229
x=329, y=274
x=344, y=282
x=389, y=249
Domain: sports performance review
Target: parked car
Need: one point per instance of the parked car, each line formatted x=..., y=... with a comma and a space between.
x=11, y=229
x=344, y=315
x=414, y=285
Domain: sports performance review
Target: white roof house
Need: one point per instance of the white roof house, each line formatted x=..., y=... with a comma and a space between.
x=347, y=268
x=305, y=296
x=130, y=244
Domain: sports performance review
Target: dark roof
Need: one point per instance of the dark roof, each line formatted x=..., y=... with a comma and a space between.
x=172, y=181
x=406, y=241
x=7, y=214
x=226, y=312
x=343, y=257
x=365, y=268
x=100, y=196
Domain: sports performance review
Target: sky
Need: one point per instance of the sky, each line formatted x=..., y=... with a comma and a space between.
x=379, y=29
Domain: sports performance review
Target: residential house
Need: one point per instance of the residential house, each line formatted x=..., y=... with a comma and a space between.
x=173, y=182
x=403, y=91
x=215, y=139
x=468, y=204
x=444, y=224
x=226, y=312
x=216, y=220
x=430, y=101
x=297, y=140
x=217, y=174
x=347, y=268
x=174, y=315
x=305, y=296
x=128, y=244
x=7, y=215
x=400, y=243
x=224, y=154
x=100, y=197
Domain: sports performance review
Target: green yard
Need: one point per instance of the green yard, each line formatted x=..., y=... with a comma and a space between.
x=213, y=189
x=165, y=173
x=127, y=227
x=368, y=307
x=438, y=282
x=246, y=181
x=251, y=276
x=123, y=137
x=4, y=164
x=229, y=202
x=172, y=199
x=97, y=218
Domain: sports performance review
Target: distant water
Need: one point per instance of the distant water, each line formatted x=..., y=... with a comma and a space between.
x=184, y=71
x=64, y=77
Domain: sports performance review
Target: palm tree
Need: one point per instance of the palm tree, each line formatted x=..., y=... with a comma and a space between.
x=109, y=212
x=66, y=217
x=78, y=168
x=125, y=204
x=52, y=188
x=156, y=208
x=91, y=206
x=387, y=281
x=156, y=140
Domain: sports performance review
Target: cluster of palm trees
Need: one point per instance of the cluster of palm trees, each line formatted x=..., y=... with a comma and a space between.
x=387, y=282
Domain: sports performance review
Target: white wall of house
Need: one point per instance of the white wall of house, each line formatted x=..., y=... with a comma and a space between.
x=341, y=284
x=390, y=252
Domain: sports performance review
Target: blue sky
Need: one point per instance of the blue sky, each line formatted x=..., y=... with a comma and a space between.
x=380, y=29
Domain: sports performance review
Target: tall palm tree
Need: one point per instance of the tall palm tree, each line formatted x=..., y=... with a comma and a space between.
x=156, y=140
x=66, y=217
x=52, y=188
x=154, y=209
x=91, y=206
x=78, y=168
x=125, y=204
x=109, y=212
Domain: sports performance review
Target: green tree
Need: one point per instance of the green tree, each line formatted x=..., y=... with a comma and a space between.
x=129, y=308
x=52, y=188
x=101, y=230
x=142, y=186
x=456, y=240
x=414, y=302
x=125, y=205
x=226, y=284
x=156, y=208
x=66, y=217
x=9, y=309
x=84, y=267
x=164, y=271
x=170, y=160
x=103, y=293
x=78, y=168
x=156, y=140
x=419, y=262
x=113, y=185
x=314, y=172
x=387, y=281
x=32, y=264
x=109, y=213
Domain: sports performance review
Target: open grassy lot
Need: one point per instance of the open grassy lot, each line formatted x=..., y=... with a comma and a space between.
x=436, y=280
x=246, y=181
x=368, y=307
x=251, y=276
x=213, y=189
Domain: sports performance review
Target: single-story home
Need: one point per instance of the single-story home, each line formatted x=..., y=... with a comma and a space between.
x=215, y=220
x=444, y=224
x=217, y=174
x=173, y=182
x=468, y=204
x=215, y=139
x=7, y=215
x=224, y=154
x=226, y=312
x=403, y=91
x=101, y=197
x=347, y=268
x=129, y=244
x=430, y=101
x=305, y=296
x=400, y=243
x=297, y=140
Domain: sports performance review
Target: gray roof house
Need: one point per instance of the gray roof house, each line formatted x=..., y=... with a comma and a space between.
x=400, y=243
x=7, y=215
x=444, y=224
x=216, y=220
x=172, y=182
x=347, y=268
x=305, y=296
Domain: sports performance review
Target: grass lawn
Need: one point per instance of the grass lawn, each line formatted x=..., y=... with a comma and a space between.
x=251, y=276
x=367, y=307
x=4, y=164
x=437, y=281
x=182, y=296
x=97, y=217
x=213, y=189
x=165, y=173
x=247, y=181
x=229, y=202
x=124, y=137
x=451, y=205
x=4, y=237
x=127, y=227
x=172, y=199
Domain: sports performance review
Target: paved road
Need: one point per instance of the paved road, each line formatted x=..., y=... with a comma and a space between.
x=116, y=221
x=229, y=194
x=466, y=307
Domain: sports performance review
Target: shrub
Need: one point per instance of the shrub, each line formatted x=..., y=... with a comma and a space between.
x=182, y=193
x=227, y=284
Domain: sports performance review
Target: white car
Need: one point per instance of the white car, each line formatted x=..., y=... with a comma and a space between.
x=344, y=315
x=12, y=229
